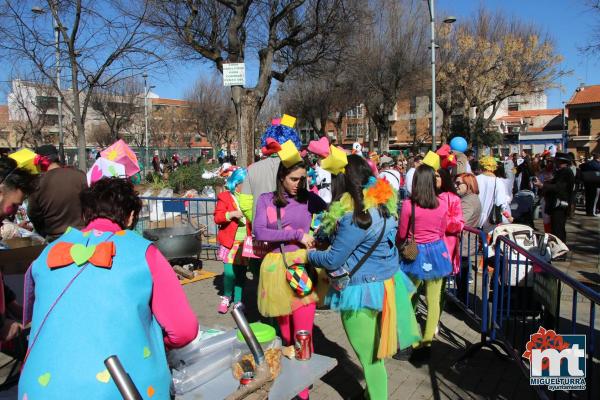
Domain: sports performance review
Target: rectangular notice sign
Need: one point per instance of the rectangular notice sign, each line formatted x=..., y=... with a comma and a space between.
x=234, y=74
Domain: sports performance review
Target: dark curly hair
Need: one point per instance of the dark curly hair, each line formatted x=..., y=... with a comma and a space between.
x=111, y=198
x=16, y=178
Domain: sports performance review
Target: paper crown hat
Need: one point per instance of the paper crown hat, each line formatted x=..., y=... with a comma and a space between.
x=319, y=147
x=289, y=154
x=25, y=159
x=336, y=161
x=432, y=159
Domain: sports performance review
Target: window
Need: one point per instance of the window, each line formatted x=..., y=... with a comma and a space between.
x=49, y=120
x=513, y=106
x=584, y=126
x=46, y=102
x=412, y=128
x=356, y=112
x=413, y=105
x=354, y=131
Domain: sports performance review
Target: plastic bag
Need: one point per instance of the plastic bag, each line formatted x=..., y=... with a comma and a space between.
x=244, y=360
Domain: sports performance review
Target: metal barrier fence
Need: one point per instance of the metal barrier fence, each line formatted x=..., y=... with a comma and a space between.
x=166, y=212
x=518, y=293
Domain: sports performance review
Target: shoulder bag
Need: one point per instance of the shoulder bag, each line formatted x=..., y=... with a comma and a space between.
x=408, y=249
x=297, y=275
x=495, y=215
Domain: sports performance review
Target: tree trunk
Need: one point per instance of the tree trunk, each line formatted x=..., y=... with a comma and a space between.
x=371, y=138
x=339, y=137
x=445, y=126
x=383, y=131
x=247, y=107
x=81, y=154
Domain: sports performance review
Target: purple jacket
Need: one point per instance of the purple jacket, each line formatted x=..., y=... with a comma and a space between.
x=295, y=220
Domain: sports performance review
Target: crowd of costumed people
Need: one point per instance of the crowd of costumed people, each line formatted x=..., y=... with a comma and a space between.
x=318, y=226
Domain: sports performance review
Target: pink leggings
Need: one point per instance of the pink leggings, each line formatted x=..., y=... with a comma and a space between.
x=300, y=320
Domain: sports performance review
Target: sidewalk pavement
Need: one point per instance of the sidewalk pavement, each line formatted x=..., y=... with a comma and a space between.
x=583, y=240
x=485, y=376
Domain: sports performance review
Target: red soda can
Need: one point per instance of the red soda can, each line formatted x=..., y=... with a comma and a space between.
x=247, y=378
x=303, y=345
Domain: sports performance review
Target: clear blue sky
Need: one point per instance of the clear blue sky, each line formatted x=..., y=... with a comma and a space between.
x=568, y=22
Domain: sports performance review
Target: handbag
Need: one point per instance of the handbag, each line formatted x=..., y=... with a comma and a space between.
x=409, y=250
x=253, y=248
x=297, y=276
x=340, y=278
x=495, y=215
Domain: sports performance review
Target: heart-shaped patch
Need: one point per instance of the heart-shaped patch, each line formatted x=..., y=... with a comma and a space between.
x=147, y=352
x=81, y=253
x=103, y=376
x=271, y=215
x=44, y=380
x=150, y=391
x=112, y=171
x=427, y=267
x=319, y=147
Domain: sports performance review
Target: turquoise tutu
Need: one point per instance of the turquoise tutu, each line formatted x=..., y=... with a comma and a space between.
x=366, y=295
x=433, y=262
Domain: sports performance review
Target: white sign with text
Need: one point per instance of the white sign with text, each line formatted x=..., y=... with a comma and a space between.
x=234, y=74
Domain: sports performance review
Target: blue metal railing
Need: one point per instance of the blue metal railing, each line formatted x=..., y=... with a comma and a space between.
x=523, y=294
x=164, y=212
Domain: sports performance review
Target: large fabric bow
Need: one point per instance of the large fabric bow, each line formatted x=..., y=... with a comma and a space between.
x=64, y=253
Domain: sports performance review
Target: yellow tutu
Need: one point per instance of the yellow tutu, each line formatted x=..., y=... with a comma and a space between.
x=275, y=296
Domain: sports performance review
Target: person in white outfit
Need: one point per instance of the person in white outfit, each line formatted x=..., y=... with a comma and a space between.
x=411, y=172
x=389, y=173
x=491, y=191
x=323, y=183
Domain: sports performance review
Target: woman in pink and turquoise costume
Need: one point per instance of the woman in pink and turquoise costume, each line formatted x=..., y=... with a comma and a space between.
x=99, y=292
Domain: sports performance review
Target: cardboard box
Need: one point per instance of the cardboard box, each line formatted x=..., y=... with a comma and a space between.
x=20, y=254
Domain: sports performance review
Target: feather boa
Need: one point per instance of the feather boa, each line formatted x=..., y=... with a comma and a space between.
x=380, y=193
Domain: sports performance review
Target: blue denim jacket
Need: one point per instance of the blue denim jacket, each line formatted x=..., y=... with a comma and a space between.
x=350, y=243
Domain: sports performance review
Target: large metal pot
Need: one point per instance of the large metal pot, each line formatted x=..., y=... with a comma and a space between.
x=178, y=242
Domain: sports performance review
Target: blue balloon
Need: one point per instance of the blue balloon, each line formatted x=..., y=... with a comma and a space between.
x=458, y=143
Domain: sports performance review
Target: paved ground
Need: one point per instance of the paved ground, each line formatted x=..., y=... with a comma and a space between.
x=484, y=377
x=583, y=239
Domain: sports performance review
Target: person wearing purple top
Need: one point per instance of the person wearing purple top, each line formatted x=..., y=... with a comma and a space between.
x=296, y=207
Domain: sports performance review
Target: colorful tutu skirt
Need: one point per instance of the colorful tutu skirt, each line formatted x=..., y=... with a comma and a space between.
x=232, y=255
x=399, y=328
x=433, y=262
x=275, y=296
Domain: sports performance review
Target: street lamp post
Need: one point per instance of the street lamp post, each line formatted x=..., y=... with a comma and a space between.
x=146, y=159
x=447, y=20
x=61, y=138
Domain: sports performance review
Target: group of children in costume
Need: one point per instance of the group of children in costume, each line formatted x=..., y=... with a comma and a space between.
x=356, y=253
